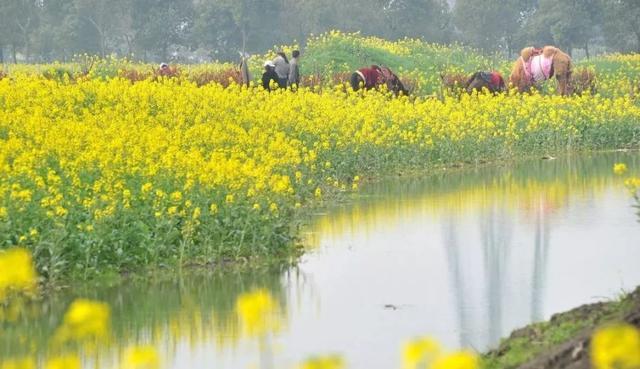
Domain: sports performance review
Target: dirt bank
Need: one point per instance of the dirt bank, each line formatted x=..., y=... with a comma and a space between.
x=563, y=341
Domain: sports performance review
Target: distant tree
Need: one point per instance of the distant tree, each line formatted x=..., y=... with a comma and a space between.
x=622, y=24
x=161, y=24
x=568, y=24
x=215, y=30
x=53, y=38
x=97, y=20
x=491, y=24
x=429, y=19
x=18, y=22
x=257, y=22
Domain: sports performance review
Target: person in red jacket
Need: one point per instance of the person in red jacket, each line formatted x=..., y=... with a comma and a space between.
x=367, y=77
x=492, y=81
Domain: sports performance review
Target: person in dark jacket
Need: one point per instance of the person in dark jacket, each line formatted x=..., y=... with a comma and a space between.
x=269, y=75
x=294, y=69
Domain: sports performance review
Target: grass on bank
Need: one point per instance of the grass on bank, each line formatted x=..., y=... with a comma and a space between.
x=528, y=343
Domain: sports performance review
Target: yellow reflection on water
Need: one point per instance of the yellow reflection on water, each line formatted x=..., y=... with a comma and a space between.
x=117, y=330
x=548, y=189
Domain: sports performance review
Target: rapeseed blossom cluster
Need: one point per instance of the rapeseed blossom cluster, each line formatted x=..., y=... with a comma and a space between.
x=17, y=273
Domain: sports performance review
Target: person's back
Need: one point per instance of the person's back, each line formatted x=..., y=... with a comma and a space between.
x=269, y=75
x=294, y=69
x=371, y=76
x=282, y=68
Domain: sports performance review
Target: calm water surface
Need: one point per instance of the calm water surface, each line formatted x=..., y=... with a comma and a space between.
x=464, y=257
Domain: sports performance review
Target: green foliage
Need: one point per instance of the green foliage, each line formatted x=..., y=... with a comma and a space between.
x=622, y=24
x=411, y=59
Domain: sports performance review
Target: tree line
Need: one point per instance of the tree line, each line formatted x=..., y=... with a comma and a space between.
x=197, y=30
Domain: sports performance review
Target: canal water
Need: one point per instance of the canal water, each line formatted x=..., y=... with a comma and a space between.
x=464, y=256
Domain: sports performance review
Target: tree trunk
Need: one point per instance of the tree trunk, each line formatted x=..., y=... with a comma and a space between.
x=1, y=54
x=586, y=49
x=129, y=41
x=165, y=47
x=244, y=38
x=14, y=52
x=27, y=47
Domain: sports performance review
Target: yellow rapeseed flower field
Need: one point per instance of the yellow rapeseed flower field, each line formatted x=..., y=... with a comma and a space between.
x=106, y=174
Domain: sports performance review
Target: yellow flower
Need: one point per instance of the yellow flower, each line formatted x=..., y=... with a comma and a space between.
x=229, y=199
x=256, y=206
x=258, y=312
x=173, y=210
x=323, y=362
x=26, y=363
x=273, y=207
x=142, y=357
x=616, y=347
x=85, y=319
x=213, y=208
x=633, y=184
x=18, y=273
x=64, y=362
x=318, y=193
x=146, y=188
x=176, y=196
x=419, y=351
x=60, y=211
x=620, y=169
x=3, y=212
x=456, y=360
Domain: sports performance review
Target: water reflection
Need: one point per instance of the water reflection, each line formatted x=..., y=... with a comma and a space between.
x=464, y=256
x=516, y=244
x=169, y=314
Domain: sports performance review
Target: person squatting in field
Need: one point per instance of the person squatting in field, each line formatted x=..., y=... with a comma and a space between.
x=492, y=81
x=375, y=76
